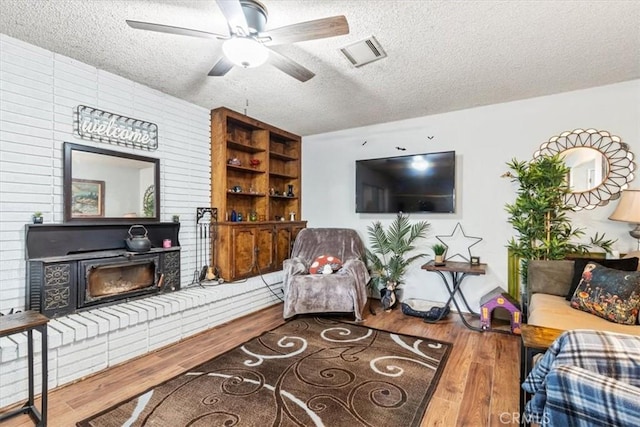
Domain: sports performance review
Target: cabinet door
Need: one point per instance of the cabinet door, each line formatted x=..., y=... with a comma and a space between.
x=264, y=243
x=242, y=255
x=283, y=244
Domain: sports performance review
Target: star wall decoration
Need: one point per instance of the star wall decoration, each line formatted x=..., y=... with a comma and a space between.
x=458, y=243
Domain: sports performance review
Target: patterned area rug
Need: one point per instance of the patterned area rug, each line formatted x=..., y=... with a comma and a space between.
x=307, y=372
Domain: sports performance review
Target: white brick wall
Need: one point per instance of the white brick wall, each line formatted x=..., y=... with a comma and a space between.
x=38, y=92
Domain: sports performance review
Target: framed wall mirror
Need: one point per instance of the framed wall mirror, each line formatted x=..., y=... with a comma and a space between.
x=600, y=166
x=109, y=186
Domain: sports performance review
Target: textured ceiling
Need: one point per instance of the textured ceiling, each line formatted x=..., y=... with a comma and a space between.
x=442, y=55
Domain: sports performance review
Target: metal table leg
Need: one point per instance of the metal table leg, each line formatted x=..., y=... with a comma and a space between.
x=45, y=376
x=453, y=288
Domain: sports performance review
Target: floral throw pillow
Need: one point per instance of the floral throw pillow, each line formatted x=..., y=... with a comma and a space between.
x=611, y=294
x=317, y=267
x=626, y=264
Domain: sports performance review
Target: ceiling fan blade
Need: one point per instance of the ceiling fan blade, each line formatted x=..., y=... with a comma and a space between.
x=232, y=11
x=160, y=28
x=309, y=30
x=289, y=66
x=221, y=68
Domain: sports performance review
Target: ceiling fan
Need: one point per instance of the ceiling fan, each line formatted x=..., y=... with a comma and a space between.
x=248, y=44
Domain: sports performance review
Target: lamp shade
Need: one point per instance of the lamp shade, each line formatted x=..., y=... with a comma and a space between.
x=628, y=209
x=245, y=52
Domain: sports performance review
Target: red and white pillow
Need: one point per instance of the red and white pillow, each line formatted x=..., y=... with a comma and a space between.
x=318, y=264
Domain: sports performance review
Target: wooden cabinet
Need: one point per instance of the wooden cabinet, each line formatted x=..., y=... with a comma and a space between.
x=247, y=249
x=252, y=250
x=255, y=173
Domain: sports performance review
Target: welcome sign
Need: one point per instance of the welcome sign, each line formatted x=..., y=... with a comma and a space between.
x=98, y=125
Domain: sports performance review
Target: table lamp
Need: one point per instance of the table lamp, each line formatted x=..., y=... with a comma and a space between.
x=628, y=210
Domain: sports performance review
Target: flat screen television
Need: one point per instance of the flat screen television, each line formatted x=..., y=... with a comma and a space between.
x=413, y=183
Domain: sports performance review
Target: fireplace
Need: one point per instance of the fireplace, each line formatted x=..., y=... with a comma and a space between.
x=77, y=267
x=102, y=281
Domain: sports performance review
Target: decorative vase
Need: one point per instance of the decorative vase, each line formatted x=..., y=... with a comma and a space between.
x=37, y=219
x=289, y=190
x=439, y=260
x=388, y=296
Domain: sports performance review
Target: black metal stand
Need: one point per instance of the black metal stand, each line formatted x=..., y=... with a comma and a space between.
x=206, y=236
x=457, y=271
x=27, y=322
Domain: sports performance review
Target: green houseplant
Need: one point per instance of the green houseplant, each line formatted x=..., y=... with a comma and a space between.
x=388, y=256
x=539, y=213
x=37, y=217
x=438, y=250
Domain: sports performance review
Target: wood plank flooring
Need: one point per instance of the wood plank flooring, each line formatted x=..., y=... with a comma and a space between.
x=479, y=386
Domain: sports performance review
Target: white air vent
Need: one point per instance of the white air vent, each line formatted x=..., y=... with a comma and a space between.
x=364, y=51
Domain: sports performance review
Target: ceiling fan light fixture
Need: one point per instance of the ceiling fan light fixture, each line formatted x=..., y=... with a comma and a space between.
x=245, y=52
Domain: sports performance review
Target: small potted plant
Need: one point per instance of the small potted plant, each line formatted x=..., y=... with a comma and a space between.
x=37, y=217
x=175, y=218
x=439, y=249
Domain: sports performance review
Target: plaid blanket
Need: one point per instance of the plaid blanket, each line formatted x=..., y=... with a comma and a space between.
x=586, y=378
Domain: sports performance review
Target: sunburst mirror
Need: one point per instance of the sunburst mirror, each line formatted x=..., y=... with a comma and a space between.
x=600, y=165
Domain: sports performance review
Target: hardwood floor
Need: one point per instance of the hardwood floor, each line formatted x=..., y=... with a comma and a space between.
x=479, y=386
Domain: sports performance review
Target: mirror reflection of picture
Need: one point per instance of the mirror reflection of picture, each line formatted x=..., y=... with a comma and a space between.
x=87, y=198
x=130, y=184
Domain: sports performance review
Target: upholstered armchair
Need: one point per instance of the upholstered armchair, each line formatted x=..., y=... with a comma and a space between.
x=343, y=290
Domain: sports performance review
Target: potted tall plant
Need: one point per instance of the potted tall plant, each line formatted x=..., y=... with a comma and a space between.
x=539, y=213
x=388, y=257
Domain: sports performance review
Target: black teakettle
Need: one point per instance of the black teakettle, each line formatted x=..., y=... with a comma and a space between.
x=138, y=242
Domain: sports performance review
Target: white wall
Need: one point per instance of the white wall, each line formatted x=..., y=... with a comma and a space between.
x=39, y=93
x=484, y=139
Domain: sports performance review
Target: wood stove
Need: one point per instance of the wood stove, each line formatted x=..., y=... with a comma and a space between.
x=112, y=279
x=76, y=267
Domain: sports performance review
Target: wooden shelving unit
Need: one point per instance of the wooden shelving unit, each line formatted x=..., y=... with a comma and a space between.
x=248, y=247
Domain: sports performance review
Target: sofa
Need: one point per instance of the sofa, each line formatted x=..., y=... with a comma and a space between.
x=590, y=375
x=586, y=378
x=545, y=303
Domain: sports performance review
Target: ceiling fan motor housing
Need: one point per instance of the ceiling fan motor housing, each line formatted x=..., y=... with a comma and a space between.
x=256, y=15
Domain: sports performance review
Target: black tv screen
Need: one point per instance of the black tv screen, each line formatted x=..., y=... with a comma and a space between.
x=413, y=183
